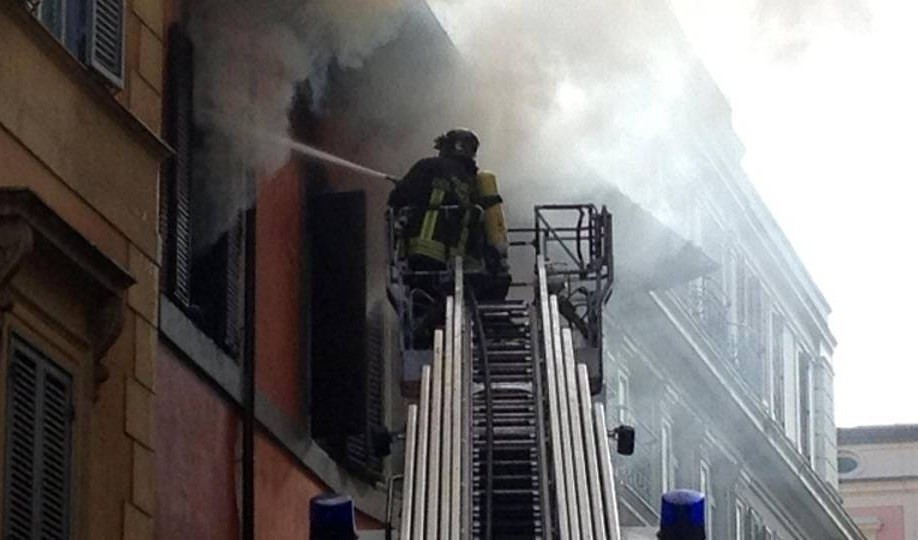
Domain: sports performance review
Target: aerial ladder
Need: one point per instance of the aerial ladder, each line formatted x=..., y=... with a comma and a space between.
x=503, y=437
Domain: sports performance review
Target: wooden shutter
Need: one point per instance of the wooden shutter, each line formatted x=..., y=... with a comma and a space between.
x=804, y=381
x=176, y=192
x=338, y=374
x=360, y=451
x=39, y=416
x=753, y=349
x=777, y=367
x=106, y=39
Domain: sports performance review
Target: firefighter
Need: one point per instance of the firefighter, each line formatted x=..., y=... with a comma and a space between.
x=432, y=234
x=449, y=203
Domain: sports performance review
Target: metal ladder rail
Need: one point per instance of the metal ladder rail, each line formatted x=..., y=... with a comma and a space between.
x=592, y=510
x=607, y=473
x=411, y=444
x=446, y=422
x=421, y=444
x=577, y=438
x=459, y=425
x=592, y=462
x=434, y=499
x=568, y=479
x=554, y=442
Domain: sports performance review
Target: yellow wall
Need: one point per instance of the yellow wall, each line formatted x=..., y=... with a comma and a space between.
x=91, y=153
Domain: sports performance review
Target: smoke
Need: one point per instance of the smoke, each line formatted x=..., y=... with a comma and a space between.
x=249, y=59
x=579, y=98
x=785, y=29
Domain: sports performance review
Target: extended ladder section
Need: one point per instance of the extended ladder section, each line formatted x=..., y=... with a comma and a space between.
x=505, y=441
x=436, y=498
x=582, y=481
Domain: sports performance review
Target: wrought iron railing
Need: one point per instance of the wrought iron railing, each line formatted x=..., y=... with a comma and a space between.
x=707, y=302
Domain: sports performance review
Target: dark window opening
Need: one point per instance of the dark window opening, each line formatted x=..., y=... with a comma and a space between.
x=346, y=373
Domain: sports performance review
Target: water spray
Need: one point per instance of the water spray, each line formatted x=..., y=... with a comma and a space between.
x=321, y=155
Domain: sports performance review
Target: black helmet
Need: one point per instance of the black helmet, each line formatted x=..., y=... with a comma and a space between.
x=457, y=142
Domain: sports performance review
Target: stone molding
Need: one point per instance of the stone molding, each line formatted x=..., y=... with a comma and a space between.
x=26, y=223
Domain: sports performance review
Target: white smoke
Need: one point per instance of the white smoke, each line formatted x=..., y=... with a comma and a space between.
x=579, y=97
x=249, y=58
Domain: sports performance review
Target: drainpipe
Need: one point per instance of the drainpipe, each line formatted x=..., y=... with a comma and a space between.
x=248, y=385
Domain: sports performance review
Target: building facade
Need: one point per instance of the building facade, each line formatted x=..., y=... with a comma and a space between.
x=878, y=479
x=295, y=277
x=80, y=87
x=718, y=349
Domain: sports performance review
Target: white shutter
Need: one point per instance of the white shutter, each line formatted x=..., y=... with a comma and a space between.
x=106, y=39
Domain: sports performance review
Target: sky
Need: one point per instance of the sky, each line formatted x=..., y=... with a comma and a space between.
x=823, y=94
x=824, y=98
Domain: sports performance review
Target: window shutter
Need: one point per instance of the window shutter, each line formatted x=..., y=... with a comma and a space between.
x=177, y=195
x=106, y=39
x=38, y=465
x=21, y=447
x=777, y=367
x=360, y=450
x=338, y=359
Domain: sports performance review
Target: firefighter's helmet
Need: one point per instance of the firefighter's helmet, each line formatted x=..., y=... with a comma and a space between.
x=457, y=142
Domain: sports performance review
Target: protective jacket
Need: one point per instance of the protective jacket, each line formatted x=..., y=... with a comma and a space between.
x=442, y=195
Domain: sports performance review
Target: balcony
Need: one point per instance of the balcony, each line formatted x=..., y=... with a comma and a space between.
x=707, y=302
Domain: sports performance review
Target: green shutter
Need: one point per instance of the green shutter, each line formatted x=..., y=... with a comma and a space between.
x=106, y=39
x=39, y=417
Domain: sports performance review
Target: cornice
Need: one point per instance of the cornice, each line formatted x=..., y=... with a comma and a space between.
x=27, y=224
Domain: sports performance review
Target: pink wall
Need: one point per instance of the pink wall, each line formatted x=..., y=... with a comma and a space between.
x=196, y=435
x=892, y=518
x=283, y=493
x=279, y=245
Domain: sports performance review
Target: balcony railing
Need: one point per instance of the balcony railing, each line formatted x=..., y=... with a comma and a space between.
x=706, y=301
x=635, y=472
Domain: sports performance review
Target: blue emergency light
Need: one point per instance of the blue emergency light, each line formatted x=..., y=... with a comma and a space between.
x=682, y=515
x=331, y=517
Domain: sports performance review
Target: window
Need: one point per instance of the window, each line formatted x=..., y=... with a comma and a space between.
x=623, y=397
x=346, y=372
x=93, y=30
x=777, y=368
x=668, y=469
x=706, y=487
x=804, y=381
x=847, y=464
x=38, y=442
x=203, y=261
x=752, y=358
x=739, y=514
x=740, y=300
